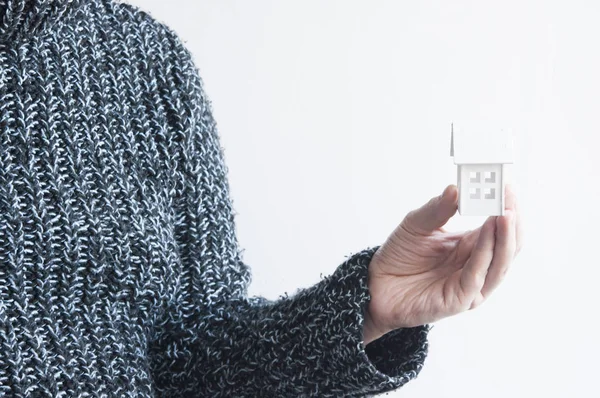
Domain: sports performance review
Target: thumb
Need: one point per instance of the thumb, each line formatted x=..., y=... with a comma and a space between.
x=435, y=213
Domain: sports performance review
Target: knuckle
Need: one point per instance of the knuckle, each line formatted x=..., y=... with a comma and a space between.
x=411, y=215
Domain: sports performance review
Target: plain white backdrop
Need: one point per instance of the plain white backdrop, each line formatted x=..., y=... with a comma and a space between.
x=335, y=118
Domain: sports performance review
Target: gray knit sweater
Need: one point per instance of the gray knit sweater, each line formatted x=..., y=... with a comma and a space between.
x=120, y=273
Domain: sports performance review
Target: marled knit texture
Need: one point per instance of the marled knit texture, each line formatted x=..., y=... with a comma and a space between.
x=120, y=272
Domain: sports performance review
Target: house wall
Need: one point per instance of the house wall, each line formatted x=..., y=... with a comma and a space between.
x=480, y=195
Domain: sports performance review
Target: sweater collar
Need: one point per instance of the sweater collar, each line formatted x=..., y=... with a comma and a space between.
x=24, y=17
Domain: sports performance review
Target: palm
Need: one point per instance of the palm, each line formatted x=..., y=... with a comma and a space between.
x=424, y=273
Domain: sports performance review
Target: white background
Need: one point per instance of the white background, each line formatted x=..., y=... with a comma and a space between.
x=335, y=117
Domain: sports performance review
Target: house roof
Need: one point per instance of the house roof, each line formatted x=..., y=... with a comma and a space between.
x=478, y=146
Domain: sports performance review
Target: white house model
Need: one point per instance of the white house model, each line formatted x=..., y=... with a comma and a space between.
x=481, y=158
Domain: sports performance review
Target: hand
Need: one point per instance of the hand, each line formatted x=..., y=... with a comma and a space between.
x=423, y=273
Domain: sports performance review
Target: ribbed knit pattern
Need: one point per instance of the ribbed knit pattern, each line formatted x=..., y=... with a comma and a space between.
x=120, y=272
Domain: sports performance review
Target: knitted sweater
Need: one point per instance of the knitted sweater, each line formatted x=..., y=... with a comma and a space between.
x=120, y=272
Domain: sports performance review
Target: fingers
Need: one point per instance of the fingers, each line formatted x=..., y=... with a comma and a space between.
x=504, y=252
x=511, y=204
x=473, y=275
x=465, y=247
x=435, y=213
x=508, y=243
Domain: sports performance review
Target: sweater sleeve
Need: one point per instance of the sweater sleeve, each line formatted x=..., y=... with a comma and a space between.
x=216, y=341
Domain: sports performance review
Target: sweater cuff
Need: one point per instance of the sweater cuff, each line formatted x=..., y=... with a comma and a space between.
x=386, y=363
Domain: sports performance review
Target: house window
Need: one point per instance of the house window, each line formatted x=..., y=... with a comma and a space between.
x=474, y=193
x=489, y=193
x=475, y=176
x=490, y=176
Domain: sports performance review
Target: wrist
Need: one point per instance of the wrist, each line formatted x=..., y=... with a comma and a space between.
x=370, y=331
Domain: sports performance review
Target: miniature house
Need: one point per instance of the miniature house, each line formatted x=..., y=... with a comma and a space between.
x=481, y=158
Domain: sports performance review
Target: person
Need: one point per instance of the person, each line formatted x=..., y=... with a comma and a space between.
x=120, y=271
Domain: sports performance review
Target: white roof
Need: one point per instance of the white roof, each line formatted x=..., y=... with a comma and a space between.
x=479, y=146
